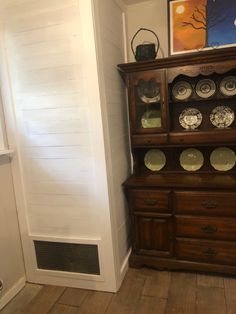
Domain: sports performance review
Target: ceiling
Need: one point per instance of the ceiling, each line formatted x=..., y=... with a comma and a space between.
x=134, y=1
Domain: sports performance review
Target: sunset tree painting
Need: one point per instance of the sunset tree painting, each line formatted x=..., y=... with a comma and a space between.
x=201, y=24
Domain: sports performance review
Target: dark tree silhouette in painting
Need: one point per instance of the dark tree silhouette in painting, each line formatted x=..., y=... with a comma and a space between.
x=205, y=17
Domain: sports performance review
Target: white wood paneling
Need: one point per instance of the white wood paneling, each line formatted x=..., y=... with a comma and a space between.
x=54, y=81
x=112, y=52
x=49, y=67
x=39, y=69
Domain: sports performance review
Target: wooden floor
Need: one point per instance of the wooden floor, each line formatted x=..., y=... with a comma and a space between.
x=143, y=291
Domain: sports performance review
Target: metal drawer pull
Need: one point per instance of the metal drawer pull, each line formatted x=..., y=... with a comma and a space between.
x=210, y=252
x=151, y=202
x=209, y=229
x=209, y=204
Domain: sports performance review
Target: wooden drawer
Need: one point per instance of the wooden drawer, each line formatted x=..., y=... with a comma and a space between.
x=201, y=137
x=150, y=200
x=205, y=203
x=206, y=251
x=148, y=140
x=203, y=227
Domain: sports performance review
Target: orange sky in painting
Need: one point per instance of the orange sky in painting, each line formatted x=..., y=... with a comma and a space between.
x=186, y=37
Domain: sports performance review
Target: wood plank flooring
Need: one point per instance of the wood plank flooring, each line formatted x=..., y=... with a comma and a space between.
x=144, y=291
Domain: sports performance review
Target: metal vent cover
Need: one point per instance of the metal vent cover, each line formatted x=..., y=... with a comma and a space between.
x=69, y=257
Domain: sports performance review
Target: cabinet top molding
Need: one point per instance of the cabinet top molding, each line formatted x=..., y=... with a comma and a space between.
x=201, y=57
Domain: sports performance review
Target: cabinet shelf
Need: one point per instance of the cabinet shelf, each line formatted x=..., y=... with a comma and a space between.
x=223, y=136
x=220, y=181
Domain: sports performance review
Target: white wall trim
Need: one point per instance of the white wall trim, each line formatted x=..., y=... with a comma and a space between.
x=95, y=241
x=13, y=141
x=66, y=240
x=103, y=96
x=125, y=265
x=69, y=279
x=49, y=279
x=6, y=152
x=12, y=292
x=66, y=274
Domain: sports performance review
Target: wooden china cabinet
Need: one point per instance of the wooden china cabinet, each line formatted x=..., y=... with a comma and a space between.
x=182, y=193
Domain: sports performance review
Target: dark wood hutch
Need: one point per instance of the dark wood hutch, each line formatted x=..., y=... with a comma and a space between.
x=183, y=211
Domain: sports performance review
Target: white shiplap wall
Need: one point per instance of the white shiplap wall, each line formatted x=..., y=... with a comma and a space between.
x=45, y=58
x=52, y=65
x=111, y=51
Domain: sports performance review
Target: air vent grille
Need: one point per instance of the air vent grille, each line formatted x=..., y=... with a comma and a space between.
x=69, y=257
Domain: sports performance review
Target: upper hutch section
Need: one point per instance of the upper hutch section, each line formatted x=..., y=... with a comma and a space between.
x=188, y=99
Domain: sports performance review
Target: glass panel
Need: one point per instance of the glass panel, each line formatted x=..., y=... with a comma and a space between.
x=148, y=108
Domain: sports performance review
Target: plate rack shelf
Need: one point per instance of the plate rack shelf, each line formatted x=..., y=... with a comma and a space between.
x=182, y=193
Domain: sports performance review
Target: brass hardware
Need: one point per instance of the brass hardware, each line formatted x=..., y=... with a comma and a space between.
x=210, y=252
x=209, y=204
x=209, y=229
x=151, y=202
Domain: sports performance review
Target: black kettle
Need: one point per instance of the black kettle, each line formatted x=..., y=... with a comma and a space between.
x=145, y=51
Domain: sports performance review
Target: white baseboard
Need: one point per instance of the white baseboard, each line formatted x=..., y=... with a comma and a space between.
x=124, y=268
x=12, y=292
x=125, y=264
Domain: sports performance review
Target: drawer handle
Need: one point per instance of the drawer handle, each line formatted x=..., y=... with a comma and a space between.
x=209, y=229
x=210, y=252
x=209, y=204
x=151, y=202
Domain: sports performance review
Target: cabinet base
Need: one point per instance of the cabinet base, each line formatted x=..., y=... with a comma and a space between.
x=160, y=263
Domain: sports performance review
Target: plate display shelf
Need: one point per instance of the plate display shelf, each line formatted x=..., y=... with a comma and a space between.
x=182, y=192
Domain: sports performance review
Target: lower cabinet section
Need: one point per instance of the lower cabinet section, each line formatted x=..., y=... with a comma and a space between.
x=183, y=229
x=153, y=234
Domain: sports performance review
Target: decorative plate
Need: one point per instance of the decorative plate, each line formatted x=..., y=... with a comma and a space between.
x=149, y=92
x=222, y=117
x=182, y=90
x=228, y=86
x=223, y=159
x=205, y=88
x=151, y=119
x=154, y=159
x=190, y=118
x=191, y=159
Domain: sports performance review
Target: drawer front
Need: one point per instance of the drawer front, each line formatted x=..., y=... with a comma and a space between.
x=148, y=140
x=206, y=251
x=205, y=203
x=203, y=227
x=150, y=200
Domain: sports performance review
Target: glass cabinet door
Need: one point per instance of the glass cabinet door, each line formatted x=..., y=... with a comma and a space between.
x=148, y=102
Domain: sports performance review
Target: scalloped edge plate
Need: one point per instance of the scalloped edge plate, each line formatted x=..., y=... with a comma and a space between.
x=226, y=114
x=195, y=118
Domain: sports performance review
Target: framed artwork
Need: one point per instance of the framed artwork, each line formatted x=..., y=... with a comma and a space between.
x=196, y=25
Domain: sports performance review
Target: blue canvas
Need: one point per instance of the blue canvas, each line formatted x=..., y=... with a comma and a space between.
x=221, y=22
